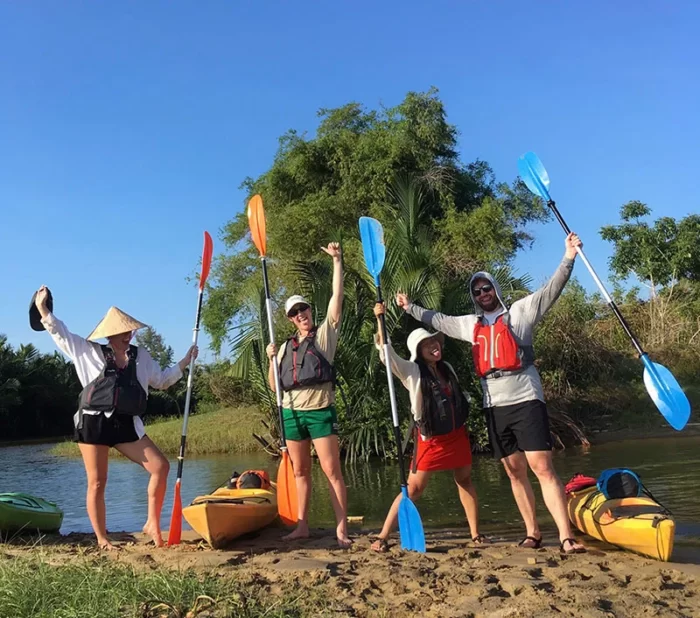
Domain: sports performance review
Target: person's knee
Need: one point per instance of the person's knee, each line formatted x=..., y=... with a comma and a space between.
x=97, y=485
x=302, y=470
x=332, y=471
x=543, y=469
x=161, y=467
x=415, y=491
x=515, y=469
x=464, y=480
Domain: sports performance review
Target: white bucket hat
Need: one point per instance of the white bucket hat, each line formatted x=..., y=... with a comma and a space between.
x=294, y=300
x=418, y=335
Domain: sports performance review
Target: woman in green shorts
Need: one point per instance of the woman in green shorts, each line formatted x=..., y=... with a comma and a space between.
x=308, y=380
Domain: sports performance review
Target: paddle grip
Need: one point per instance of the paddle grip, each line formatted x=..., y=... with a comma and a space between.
x=392, y=392
x=275, y=366
x=611, y=303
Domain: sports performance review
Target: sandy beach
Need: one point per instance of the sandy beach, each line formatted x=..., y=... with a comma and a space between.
x=454, y=579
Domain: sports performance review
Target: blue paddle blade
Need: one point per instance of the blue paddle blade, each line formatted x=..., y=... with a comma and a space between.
x=410, y=525
x=534, y=175
x=666, y=393
x=372, y=236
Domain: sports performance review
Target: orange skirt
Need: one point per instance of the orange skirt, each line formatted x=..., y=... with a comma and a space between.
x=446, y=452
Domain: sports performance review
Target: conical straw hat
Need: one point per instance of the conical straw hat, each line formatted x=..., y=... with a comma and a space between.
x=115, y=322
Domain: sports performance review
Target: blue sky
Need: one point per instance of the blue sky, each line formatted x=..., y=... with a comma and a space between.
x=127, y=127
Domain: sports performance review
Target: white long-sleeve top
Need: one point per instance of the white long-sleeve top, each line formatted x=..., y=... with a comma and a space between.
x=89, y=363
x=409, y=373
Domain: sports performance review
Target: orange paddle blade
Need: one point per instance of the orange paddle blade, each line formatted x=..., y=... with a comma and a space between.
x=256, y=220
x=287, y=491
x=175, y=532
x=206, y=259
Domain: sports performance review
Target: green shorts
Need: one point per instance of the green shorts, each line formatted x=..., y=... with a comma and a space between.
x=304, y=424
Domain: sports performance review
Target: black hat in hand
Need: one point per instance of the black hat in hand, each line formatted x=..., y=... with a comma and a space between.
x=34, y=315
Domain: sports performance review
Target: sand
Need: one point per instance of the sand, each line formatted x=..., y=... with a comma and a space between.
x=452, y=579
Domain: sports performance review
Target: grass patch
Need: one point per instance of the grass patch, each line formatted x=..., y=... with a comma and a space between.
x=33, y=587
x=208, y=432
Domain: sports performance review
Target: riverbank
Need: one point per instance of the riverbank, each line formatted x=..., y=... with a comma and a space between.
x=211, y=432
x=263, y=577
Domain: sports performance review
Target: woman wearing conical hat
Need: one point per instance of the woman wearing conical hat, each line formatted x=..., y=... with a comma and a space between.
x=115, y=379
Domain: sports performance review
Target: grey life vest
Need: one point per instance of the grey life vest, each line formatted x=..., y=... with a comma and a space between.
x=303, y=365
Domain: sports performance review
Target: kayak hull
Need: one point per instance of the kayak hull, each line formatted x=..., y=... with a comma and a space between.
x=639, y=525
x=226, y=514
x=21, y=512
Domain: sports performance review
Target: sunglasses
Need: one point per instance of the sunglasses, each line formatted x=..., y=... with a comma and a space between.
x=484, y=288
x=297, y=310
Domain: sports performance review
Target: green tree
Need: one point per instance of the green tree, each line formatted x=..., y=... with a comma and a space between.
x=317, y=188
x=657, y=254
x=150, y=339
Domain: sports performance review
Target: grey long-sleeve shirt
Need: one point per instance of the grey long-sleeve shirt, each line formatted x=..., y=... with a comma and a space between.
x=524, y=315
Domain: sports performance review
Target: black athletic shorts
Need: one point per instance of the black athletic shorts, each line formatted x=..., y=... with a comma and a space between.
x=520, y=427
x=98, y=429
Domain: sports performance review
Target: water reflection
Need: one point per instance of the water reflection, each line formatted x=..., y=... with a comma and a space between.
x=669, y=467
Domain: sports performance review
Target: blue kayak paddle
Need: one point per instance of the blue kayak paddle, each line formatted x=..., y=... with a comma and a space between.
x=662, y=387
x=410, y=524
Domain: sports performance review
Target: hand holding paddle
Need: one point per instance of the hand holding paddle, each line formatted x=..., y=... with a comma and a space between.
x=662, y=387
x=410, y=524
x=286, y=483
x=175, y=532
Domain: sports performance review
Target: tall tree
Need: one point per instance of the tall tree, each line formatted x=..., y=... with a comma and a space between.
x=317, y=188
x=657, y=254
x=150, y=339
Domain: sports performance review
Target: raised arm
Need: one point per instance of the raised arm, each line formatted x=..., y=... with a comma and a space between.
x=400, y=367
x=335, y=306
x=74, y=346
x=537, y=304
x=457, y=327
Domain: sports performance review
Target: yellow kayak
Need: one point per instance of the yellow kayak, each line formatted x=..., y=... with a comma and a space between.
x=229, y=513
x=639, y=524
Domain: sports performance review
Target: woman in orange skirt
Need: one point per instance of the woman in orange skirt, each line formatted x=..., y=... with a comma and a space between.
x=440, y=411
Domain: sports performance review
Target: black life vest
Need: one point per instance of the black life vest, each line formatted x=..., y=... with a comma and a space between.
x=303, y=365
x=442, y=413
x=114, y=390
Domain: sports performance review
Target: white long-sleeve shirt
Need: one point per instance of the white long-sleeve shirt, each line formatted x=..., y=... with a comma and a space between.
x=89, y=363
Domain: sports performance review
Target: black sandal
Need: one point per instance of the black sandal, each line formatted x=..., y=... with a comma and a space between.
x=481, y=539
x=577, y=550
x=383, y=545
x=537, y=542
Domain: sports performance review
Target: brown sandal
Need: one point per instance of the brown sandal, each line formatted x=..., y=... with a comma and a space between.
x=381, y=544
x=481, y=539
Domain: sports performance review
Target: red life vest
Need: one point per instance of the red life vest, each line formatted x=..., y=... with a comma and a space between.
x=496, y=349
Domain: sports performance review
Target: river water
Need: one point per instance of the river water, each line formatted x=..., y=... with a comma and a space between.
x=669, y=467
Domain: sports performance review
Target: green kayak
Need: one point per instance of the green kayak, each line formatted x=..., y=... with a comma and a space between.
x=22, y=512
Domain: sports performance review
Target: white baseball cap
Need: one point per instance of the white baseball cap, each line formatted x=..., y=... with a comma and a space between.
x=294, y=300
x=419, y=335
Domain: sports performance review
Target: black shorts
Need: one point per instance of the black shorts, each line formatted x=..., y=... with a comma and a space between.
x=98, y=429
x=520, y=427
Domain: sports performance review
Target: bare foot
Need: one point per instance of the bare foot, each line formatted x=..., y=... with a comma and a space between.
x=153, y=530
x=106, y=545
x=380, y=545
x=341, y=532
x=301, y=532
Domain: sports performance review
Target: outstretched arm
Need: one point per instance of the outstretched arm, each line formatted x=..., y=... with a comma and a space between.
x=456, y=327
x=335, y=306
x=164, y=378
x=537, y=304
